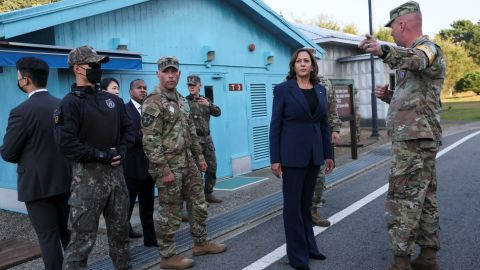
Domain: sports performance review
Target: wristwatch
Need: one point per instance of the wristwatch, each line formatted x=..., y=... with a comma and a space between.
x=385, y=49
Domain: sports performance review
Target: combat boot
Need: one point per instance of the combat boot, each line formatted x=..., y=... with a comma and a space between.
x=319, y=221
x=176, y=262
x=401, y=263
x=210, y=198
x=427, y=260
x=208, y=248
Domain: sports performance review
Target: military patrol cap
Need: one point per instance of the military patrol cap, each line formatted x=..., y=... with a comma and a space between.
x=85, y=55
x=193, y=80
x=166, y=62
x=407, y=8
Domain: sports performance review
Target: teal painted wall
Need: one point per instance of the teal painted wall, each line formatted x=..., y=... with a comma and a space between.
x=181, y=28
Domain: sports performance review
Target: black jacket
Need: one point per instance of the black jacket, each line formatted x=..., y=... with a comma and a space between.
x=89, y=121
x=135, y=165
x=42, y=169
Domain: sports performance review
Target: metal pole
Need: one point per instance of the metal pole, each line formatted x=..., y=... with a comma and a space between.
x=372, y=70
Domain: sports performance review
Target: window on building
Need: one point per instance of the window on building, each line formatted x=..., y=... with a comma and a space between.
x=209, y=92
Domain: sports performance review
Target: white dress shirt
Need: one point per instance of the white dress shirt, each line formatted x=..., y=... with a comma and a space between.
x=36, y=91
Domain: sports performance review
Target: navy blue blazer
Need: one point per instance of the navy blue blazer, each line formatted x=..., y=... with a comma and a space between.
x=297, y=136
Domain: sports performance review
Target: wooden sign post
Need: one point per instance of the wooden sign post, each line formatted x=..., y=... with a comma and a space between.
x=346, y=109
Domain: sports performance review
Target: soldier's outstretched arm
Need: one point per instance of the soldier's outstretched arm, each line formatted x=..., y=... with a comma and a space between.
x=152, y=128
x=413, y=59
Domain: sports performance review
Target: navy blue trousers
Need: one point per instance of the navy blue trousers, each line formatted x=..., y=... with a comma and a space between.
x=298, y=187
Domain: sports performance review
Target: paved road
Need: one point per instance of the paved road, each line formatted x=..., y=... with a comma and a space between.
x=359, y=240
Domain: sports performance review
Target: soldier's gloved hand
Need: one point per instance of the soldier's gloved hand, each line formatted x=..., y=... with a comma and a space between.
x=105, y=157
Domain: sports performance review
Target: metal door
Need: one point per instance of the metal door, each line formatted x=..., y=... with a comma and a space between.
x=214, y=84
x=259, y=108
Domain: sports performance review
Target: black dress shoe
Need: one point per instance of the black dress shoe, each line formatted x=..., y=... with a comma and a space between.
x=302, y=268
x=318, y=256
x=150, y=244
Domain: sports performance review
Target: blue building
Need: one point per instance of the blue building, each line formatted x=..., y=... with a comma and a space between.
x=239, y=48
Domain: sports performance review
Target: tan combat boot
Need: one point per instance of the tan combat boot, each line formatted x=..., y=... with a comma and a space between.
x=208, y=248
x=319, y=221
x=400, y=263
x=176, y=262
x=427, y=260
x=210, y=198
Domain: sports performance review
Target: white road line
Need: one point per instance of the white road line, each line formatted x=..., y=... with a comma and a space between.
x=281, y=251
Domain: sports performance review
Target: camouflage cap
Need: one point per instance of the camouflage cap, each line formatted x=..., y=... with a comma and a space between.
x=406, y=8
x=166, y=62
x=193, y=80
x=84, y=55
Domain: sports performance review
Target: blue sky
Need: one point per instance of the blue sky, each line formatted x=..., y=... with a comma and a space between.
x=437, y=14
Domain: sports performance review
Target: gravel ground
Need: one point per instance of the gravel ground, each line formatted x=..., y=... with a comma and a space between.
x=18, y=226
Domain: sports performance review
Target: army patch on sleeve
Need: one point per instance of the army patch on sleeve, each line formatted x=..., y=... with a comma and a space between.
x=148, y=116
x=430, y=52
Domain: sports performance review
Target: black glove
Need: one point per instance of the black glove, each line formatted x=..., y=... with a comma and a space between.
x=106, y=157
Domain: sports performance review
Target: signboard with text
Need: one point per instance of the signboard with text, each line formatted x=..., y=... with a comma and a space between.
x=346, y=110
x=344, y=95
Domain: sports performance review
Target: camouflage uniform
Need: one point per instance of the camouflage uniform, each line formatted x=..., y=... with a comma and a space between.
x=413, y=122
x=91, y=128
x=172, y=146
x=96, y=189
x=200, y=116
x=335, y=124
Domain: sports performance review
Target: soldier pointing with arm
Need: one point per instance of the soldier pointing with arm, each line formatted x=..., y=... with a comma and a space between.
x=413, y=122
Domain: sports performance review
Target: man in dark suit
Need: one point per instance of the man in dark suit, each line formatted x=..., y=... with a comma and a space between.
x=44, y=175
x=135, y=168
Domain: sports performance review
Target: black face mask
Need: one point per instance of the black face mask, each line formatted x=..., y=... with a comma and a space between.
x=94, y=75
x=19, y=87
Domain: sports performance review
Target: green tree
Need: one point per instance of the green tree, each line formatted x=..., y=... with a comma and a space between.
x=470, y=82
x=383, y=33
x=10, y=5
x=350, y=28
x=467, y=34
x=325, y=21
x=458, y=63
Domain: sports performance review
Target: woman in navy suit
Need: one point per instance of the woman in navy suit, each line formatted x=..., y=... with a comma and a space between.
x=299, y=145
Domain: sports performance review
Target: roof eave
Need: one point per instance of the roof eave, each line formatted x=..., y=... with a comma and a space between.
x=280, y=23
x=24, y=21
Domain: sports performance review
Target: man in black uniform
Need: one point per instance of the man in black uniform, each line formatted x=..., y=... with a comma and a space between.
x=94, y=130
x=44, y=174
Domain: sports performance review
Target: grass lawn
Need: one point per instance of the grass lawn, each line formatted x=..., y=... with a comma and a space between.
x=461, y=108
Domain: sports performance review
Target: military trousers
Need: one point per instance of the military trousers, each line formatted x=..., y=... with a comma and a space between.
x=319, y=188
x=187, y=187
x=211, y=173
x=97, y=189
x=411, y=205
